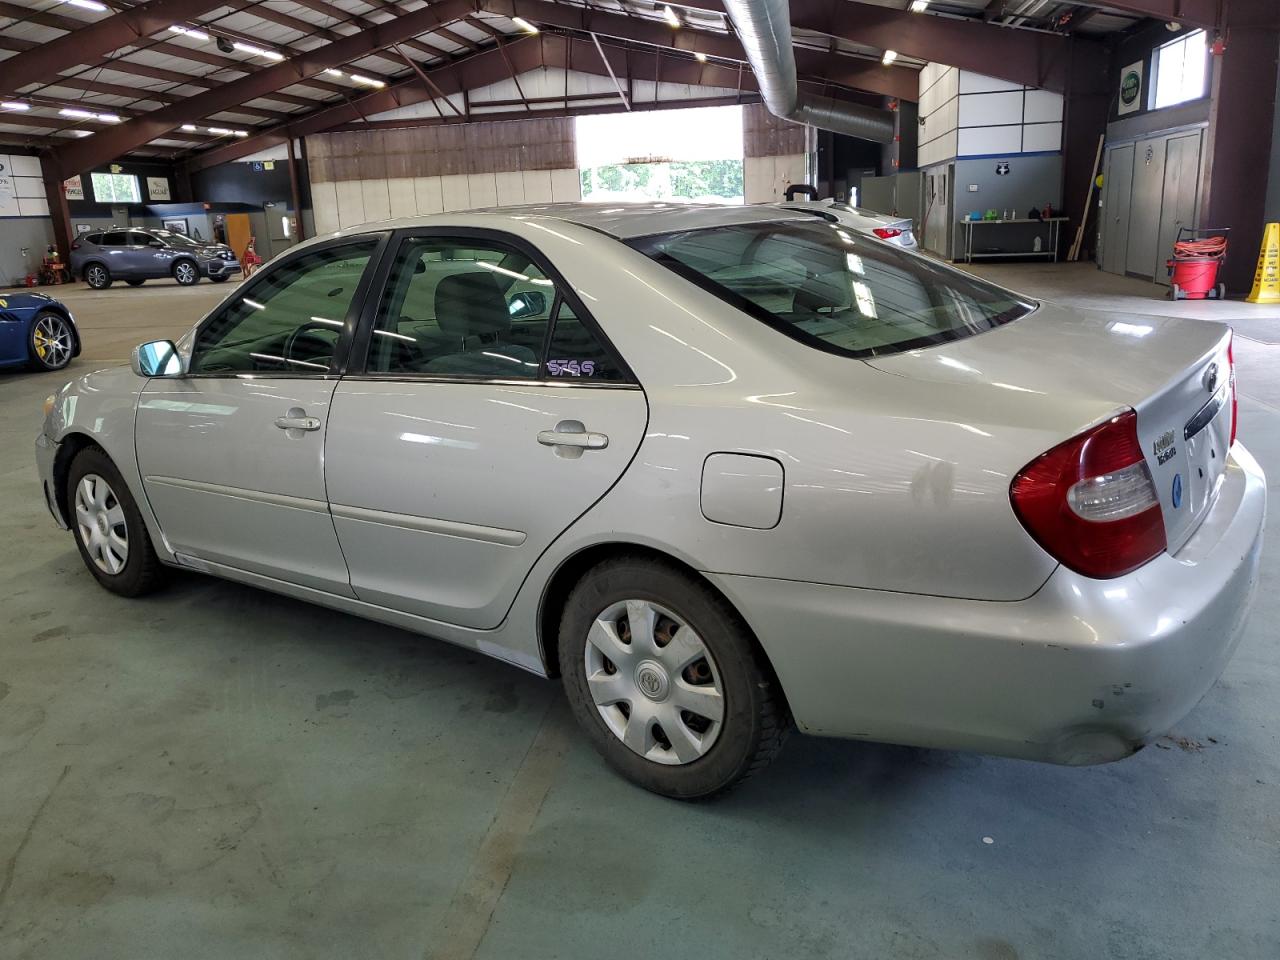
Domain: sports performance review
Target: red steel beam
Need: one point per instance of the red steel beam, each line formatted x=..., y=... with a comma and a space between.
x=91, y=41
x=83, y=154
x=1198, y=13
x=1019, y=56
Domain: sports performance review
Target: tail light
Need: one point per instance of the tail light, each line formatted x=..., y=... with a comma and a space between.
x=1231, y=375
x=886, y=233
x=75, y=244
x=1090, y=501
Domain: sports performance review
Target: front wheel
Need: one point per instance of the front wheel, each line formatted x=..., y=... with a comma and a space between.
x=186, y=273
x=109, y=530
x=52, y=341
x=97, y=276
x=666, y=680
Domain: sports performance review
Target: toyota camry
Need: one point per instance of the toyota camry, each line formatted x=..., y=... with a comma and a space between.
x=720, y=470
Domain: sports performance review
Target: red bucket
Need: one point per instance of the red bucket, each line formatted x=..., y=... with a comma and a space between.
x=1196, y=278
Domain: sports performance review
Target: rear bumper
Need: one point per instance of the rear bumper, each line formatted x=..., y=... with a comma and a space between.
x=1085, y=671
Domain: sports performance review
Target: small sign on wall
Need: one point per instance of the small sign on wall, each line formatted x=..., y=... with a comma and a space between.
x=158, y=188
x=1130, y=88
x=1002, y=168
x=73, y=188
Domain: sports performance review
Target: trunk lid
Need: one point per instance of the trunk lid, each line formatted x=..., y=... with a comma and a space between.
x=1173, y=372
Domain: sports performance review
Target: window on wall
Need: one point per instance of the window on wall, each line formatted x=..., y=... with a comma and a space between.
x=1181, y=70
x=115, y=188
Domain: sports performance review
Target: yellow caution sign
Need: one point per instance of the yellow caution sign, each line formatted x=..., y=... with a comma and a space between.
x=1266, y=282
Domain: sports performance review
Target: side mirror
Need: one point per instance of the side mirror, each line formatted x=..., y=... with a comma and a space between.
x=531, y=303
x=159, y=358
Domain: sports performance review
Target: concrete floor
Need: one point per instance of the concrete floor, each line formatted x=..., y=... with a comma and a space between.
x=218, y=772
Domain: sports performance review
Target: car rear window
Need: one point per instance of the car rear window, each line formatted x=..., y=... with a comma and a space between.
x=833, y=288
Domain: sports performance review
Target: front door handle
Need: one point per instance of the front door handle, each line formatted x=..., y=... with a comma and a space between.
x=570, y=438
x=296, y=422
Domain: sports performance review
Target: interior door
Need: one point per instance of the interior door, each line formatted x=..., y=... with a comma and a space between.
x=490, y=415
x=1181, y=194
x=1116, y=208
x=239, y=230
x=232, y=453
x=1144, y=218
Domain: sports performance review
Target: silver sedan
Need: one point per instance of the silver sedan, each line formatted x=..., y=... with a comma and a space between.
x=719, y=469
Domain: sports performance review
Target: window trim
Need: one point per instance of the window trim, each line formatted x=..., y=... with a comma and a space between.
x=357, y=365
x=342, y=348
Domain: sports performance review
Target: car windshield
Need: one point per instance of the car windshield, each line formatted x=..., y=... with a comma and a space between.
x=175, y=239
x=833, y=288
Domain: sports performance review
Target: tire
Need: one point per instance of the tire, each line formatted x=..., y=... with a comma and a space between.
x=698, y=758
x=221, y=278
x=98, y=515
x=51, y=341
x=97, y=276
x=186, y=273
x=135, y=283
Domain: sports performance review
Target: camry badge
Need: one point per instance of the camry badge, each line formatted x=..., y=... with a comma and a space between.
x=1210, y=379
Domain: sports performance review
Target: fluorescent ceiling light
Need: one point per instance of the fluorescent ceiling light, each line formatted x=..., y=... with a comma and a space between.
x=367, y=81
x=108, y=117
x=88, y=5
x=524, y=24
x=919, y=6
x=220, y=131
x=14, y=105
x=669, y=15
x=332, y=72
x=188, y=32
x=889, y=57
x=189, y=127
x=257, y=51
x=80, y=114
x=241, y=133
x=700, y=57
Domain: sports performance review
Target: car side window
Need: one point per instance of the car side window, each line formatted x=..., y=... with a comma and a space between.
x=114, y=239
x=289, y=321
x=575, y=353
x=462, y=308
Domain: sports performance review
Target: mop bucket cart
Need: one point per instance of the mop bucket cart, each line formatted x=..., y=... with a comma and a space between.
x=1197, y=255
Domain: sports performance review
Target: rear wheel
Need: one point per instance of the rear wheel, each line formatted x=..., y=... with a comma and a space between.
x=109, y=531
x=52, y=341
x=97, y=276
x=666, y=680
x=186, y=273
x=135, y=283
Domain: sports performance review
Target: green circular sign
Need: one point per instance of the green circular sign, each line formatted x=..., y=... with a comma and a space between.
x=1130, y=85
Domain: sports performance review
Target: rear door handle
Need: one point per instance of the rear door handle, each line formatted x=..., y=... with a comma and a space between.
x=296, y=419
x=570, y=438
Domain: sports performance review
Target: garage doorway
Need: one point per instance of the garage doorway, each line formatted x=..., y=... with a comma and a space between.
x=691, y=155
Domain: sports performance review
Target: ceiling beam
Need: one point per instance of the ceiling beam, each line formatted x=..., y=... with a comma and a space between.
x=1029, y=57
x=83, y=154
x=87, y=42
x=862, y=74
x=1197, y=13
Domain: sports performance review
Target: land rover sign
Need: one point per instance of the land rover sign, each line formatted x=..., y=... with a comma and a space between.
x=1131, y=88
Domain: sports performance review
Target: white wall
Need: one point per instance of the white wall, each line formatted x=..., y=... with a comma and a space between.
x=21, y=187
x=766, y=177
x=968, y=115
x=347, y=203
x=24, y=218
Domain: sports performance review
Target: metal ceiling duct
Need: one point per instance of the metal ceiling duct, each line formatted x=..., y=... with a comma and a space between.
x=764, y=27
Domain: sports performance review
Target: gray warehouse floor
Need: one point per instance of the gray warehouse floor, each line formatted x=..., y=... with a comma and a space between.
x=219, y=772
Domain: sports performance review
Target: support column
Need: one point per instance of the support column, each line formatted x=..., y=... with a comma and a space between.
x=295, y=193
x=1238, y=154
x=1085, y=109
x=59, y=212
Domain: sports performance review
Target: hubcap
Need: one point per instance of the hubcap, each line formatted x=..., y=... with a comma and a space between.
x=186, y=272
x=654, y=682
x=101, y=524
x=97, y=276
x=51, y=339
